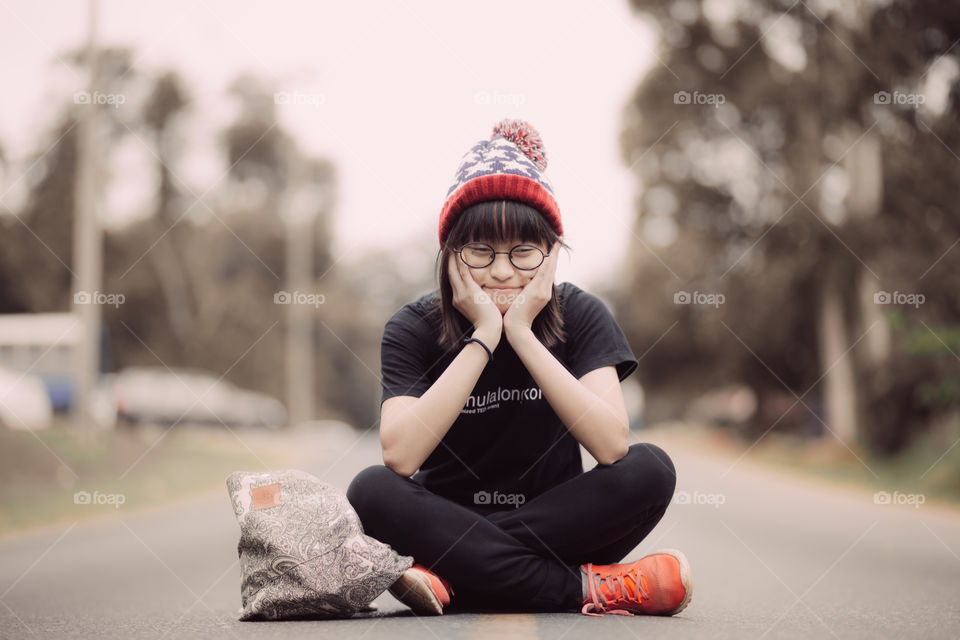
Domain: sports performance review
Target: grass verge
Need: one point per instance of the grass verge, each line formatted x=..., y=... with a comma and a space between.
x=929, y=467
x=44, y=474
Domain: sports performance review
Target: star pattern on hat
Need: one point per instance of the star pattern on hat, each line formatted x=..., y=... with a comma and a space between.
x=497, y=156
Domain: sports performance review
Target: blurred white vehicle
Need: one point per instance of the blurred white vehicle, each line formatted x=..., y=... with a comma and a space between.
x=24, y=403
x=45, y=346
x=161, y=396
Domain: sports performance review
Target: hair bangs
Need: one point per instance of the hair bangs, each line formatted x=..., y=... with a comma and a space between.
x=500, y=221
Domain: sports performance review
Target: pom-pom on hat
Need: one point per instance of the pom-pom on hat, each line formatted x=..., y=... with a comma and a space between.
x=508, y=166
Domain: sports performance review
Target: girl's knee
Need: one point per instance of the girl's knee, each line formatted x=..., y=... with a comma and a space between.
x=369, y=486
x=651, y=471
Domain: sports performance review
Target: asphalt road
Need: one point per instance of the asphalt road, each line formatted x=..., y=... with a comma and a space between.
x=772, y=557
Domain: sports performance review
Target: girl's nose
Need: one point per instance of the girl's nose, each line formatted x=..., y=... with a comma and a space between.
x=502, y=267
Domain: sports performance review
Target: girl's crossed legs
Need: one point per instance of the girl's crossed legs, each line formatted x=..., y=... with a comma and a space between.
x=526, y=558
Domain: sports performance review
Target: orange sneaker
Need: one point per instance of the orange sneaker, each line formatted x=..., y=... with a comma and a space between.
x=657, y=584
x=422, y=590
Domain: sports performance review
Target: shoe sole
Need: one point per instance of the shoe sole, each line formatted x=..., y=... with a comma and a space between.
x=686, y=578
x=413, y=589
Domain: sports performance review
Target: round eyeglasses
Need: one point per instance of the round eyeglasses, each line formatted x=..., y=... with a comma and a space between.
x=478, y=255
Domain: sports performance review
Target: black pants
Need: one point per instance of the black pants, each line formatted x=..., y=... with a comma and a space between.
x=528, y=558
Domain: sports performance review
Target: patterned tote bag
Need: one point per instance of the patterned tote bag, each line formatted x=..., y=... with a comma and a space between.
x=303, y=553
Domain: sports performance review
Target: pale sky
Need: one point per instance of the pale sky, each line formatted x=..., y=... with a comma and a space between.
x=404, y=89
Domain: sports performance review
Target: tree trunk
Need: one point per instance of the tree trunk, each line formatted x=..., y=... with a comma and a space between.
x=836, y=362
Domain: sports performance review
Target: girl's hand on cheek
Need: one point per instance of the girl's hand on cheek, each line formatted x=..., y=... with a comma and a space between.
x=534, y=296
x=471, y=300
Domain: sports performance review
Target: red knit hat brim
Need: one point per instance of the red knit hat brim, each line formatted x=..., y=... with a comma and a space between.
x=500, y=187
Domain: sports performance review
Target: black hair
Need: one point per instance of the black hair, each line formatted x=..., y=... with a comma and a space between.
x=495, y=221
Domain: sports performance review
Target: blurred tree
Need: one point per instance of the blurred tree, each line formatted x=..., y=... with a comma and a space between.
x=165, y=102
x=774, y=173
x=36, y=253
x=260, y=154
x=215, y=259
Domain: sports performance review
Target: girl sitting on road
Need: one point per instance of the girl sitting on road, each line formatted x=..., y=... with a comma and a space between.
x=490, y=385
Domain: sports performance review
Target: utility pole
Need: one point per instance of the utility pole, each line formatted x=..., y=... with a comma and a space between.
x=309, y=193
x=87, y=240
x=299, y=279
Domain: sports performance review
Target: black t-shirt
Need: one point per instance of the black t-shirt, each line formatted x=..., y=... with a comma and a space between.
x=507, y=438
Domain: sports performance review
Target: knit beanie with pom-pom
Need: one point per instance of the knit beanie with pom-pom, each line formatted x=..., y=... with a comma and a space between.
x=508, y=166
